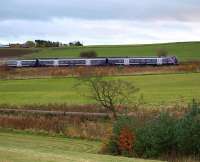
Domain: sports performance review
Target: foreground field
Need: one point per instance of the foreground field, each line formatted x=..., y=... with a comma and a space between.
x=184, y=51
x=155, y=89
x=15, y=147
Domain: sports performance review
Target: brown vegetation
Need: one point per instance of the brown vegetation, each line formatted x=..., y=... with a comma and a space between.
x=81, y=127
x=126, y=140
x=84, y=126
x=57, y=107
x=9, y=73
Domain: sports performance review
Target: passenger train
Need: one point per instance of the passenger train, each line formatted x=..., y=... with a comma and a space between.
x=59, y=62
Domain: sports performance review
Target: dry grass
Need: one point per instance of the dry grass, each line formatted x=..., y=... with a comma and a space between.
x=12, y=73
x=90, y=126
x=71, y=126
x=57, y=107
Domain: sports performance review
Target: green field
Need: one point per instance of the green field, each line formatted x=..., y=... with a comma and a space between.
x=184, y=51
x=156, y=89
x=16, y=147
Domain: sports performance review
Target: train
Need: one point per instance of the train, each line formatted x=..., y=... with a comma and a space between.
x=103, y=61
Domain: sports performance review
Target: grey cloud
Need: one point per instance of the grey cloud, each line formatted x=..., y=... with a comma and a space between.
x=96, y=32
x=183, y=10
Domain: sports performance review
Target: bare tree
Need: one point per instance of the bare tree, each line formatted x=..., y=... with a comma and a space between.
x=110, y=93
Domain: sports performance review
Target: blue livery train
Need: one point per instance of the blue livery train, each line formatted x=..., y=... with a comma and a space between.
x=59, y=62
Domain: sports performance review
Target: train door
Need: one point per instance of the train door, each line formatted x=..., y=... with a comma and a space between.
x=55, y=63
x=126, y=61
x=88, y=62
x=159, y=61
x=19, y=63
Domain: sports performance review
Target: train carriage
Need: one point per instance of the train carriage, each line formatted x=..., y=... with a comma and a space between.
x=71, y=62
x=128, y=61
x=21, y=63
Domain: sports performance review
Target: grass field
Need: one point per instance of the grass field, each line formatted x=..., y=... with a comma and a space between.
x=15, y=52
x=15, y=147
x=156, y=89
x=184, y=51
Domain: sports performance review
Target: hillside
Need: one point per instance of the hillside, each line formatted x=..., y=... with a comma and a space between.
x=185, y=51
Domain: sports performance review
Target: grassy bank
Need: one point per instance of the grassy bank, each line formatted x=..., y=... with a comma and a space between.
x=16, y=147
x=155, y=89
x=184, y=51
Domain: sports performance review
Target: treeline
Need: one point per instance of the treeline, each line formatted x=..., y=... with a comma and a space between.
x=44, y=44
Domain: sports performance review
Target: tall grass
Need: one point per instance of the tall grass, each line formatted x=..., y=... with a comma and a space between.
x=12, y=73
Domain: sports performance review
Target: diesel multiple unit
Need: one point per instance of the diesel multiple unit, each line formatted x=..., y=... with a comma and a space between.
x=170, y=60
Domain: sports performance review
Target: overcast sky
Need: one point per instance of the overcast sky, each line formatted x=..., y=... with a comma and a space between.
x=100, y=21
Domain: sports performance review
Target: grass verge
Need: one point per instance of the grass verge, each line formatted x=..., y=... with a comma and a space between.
x=16, y=147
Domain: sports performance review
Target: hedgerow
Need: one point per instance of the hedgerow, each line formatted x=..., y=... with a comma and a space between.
x=164, y=135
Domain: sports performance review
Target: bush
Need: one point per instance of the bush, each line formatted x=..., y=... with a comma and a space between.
x=162, y=52
x=88, y=54
x=188, y=131
x=126, y=141
x=156, y=137
x=163, y=136
x=123, y=138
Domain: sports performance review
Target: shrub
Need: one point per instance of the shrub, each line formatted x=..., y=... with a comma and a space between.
x=162, y=52
x=188, y=131
x=88, y=54
x=126, y=141
x=123, y=138
x=156, y=137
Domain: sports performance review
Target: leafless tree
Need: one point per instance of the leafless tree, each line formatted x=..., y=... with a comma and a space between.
x=111, y=93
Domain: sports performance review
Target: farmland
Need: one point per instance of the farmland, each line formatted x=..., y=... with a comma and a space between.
x=15, y=52
x=21, y=147
x=57, y=89
x=155, y=89
x=184, y=51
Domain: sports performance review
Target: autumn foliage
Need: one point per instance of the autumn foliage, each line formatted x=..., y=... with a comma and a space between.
x=126, y=141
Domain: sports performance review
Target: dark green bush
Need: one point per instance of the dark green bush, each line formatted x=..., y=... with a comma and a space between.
x=188, y=131
x=156, y=137
x=162, y=136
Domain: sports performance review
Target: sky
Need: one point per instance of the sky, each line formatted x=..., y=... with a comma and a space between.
x=100, y=21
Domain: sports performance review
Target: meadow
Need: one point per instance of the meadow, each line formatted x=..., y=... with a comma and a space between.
x=22, y=147
x=186, y=51
x=160, y=89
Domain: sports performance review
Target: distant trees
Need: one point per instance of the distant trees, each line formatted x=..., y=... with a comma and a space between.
x=76, y=43
x=30, y=44
x=43, y=43
x=88, y=54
